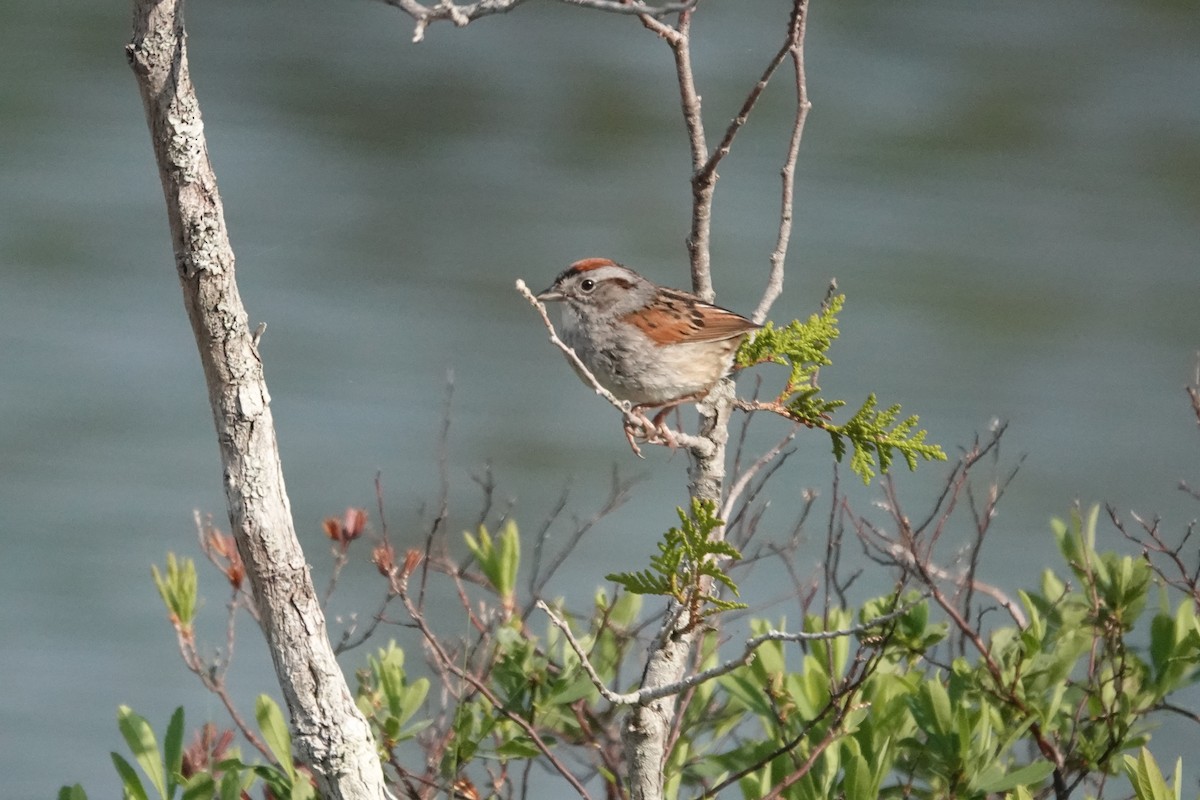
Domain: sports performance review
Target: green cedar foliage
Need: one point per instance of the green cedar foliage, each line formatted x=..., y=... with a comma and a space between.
x=688, y=565
x=876, y=435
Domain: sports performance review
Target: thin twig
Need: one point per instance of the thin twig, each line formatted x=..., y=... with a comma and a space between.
x=651, y=693
x=443, y=489
x=448, y=664
x=633, y=7
x=461, y=14
x=766, y=458
x=911, y=555
x=346, y=643
x=542, y=536
x=744, y=430
x=698, y=445
x=617, y=496
x=212, y=677
x=795, y=47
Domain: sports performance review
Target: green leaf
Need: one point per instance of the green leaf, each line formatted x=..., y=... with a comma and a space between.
x=643, y=582
x=938, y=702
x=1147, y=779
x=1014, y=732
x=236, y=777
x=177, y=588
x=877, y=437
x=499, y=558
x=748, y=693
x=75, y=792
x=625, y=610
x=801, y=345
x=131, y=785
x=302, y=789
x=275, y=733
x=1028, y=775
x=859, y=779
x=415, y=695
x=173, y=750
x=518, y=748
x=576, y=689
x=769, y=658
x=201, y=787
x=140, y=737
x=1162, y=644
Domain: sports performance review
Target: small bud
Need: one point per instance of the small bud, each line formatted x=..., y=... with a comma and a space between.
x=348, y=528
x=236, y=573
x=224, y=546
x=384, y=558
x=207, y=749
x=333, y=528
x=411, y=559
x=464, y=789
x=219, y=543
x=354, y=522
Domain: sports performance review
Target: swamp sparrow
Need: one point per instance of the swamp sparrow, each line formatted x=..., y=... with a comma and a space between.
x=650, y=346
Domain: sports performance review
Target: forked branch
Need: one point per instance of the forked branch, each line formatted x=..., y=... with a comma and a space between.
x=463, y=13
x=331, y=735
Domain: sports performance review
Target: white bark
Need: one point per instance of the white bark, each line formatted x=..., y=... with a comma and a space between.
x=647, y=727
x=329, y=733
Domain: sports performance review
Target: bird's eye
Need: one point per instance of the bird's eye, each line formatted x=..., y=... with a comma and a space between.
x=587, y=284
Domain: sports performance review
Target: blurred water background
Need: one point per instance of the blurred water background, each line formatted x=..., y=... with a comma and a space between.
x=1008, y=192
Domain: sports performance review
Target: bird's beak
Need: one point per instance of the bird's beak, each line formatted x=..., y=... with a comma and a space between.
x=550, y=295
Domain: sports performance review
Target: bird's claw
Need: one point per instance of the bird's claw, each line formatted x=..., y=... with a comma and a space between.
x=639, y=426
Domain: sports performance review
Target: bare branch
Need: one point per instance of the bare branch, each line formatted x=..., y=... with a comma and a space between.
x=703, y=183
x=460, y=14
x=443, y=509
x=634, y=7
x=617, y=495
x=795, y=46
x=348, y=640
x=744, y=479
x=542, y=537
x=1183, y=712
x=1194, y=390
x=212, y=677
x=1182, y=577
x=651, y=693
x=835, y=532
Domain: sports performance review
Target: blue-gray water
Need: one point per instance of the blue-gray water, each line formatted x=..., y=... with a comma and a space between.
x=1009, y=194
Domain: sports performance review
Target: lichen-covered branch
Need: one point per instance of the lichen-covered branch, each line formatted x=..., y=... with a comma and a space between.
x=330, y=734
x=462, y=14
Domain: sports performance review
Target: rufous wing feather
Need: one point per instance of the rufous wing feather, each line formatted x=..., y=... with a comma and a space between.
x=679, y=318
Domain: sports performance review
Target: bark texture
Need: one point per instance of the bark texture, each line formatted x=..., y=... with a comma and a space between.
x=647, y=728
x=330, y=735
